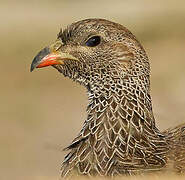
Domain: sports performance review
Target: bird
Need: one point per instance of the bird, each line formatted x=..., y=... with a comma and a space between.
x=119, y=135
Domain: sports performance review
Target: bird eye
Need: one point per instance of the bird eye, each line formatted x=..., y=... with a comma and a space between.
x=93, y=41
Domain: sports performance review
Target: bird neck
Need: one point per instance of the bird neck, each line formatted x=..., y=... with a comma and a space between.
x=119, y=128
x=120, y=104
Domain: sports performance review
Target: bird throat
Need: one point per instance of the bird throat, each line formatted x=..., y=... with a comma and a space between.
x=119, y=132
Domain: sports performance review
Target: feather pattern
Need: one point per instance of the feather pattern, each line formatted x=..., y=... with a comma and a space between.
x=119, y=135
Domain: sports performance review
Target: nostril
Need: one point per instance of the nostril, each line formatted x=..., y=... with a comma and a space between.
x=57, y=45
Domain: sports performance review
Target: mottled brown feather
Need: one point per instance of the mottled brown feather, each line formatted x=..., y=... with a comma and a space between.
x=119, y=135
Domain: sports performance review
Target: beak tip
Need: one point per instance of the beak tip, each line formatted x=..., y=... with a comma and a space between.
x=33, y=66
x=36, y=61
x=31, y=69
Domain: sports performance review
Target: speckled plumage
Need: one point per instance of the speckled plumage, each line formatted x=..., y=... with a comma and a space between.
x=119, y=135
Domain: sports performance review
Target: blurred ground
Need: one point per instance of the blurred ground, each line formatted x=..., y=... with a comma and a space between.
x=41, y=112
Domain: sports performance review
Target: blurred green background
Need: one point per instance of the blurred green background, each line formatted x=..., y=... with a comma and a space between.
x=41, y=112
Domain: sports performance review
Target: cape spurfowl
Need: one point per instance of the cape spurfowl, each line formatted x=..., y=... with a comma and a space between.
x=119, y=135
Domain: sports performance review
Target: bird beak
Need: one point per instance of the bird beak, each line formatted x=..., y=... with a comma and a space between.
x=50, y=56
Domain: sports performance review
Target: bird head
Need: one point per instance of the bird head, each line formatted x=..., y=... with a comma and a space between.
x=93, y=51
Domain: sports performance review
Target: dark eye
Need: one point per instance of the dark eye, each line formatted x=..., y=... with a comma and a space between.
x=93, y=41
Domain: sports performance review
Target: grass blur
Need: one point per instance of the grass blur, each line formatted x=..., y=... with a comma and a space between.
x=41, y=112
